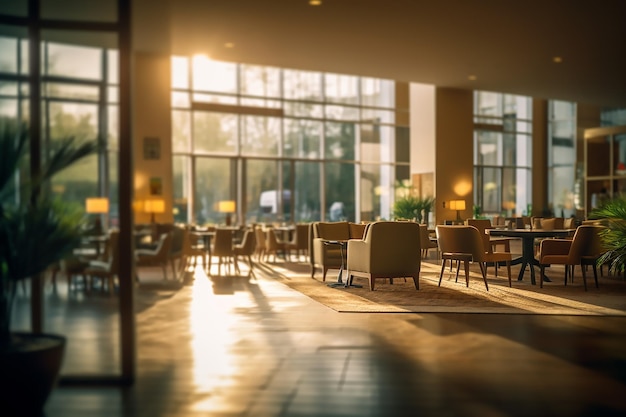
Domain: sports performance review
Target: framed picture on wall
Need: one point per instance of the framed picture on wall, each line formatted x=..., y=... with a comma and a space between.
x=156, y=186
x=151, y=148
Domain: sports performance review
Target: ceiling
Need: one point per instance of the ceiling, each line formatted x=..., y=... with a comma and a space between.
x=508, y=46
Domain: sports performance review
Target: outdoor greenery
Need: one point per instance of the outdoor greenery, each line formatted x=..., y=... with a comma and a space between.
x=614, y=237
x=35, y=230
x=411, y=207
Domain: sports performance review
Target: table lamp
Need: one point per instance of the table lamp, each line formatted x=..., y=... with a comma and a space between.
x=154, y=206
x=228, y=207
x=97, y=206
x=457, y=205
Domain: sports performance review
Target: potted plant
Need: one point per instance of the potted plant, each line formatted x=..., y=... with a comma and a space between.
x=36, y=231
x=613, y=214
x=411, y=207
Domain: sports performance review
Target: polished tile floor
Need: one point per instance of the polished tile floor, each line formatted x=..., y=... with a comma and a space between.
x=254, y=347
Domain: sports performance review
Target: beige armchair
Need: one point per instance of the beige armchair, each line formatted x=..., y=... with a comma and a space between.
x=584, y=249
x=388, y=250
x=329, y=256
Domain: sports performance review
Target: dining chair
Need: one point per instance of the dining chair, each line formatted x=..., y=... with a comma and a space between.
x=426, y=242
x=261, y=243
x=299, y=241
x=585, y=248
x=223, y=248
x=192, y=251
x=461, y=244
x=245, y=248
x=273, y=245
x=106, y=270
x=159, y=256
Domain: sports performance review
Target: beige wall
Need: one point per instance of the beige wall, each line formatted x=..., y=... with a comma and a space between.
x=152, y=119
x=454, y=129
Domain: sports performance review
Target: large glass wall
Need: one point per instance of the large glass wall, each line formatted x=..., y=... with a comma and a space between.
x=564, y=179
x=287, y=145
x=502, y=153
x=79, y=87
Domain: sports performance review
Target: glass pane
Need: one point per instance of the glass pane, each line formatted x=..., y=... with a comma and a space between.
x=76, y=91
x=63, y=60
x=214, y=132
x=98, y=11
x=487, y=148
x=302, y=138
x=113, y=182
x=213, y=98
x=113, y=94
x=112, y=66
x=260, y=135
x=489, y=186
x=213, y=179
x=487, y=104
x=8, y=58
x=375, y=186
x=181, y=100
x=340, y=190
x=214, y=76
x=307, y=204
x=263, y=199
x=378, y=93
x=14, y=8
x=302, y=85
x=403, y=145
x=180, y=72
x=341, y=88
x=113, y=139
x=563, y=190
x=342, y=113
x=340, y=141
x=314, y=111
x=260, y=81
x=181, y=131
x=377, y=116
x=261, y=102
x=180, y=181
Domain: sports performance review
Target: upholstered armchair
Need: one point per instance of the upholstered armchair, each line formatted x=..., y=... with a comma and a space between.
x=388, y=250
x=329, y=256
x=583, y=249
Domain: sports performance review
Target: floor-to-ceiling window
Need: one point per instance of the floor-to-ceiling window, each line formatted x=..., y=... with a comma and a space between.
x=564, y=176
x=286, y=145
x=502, y=153
x=61, y=76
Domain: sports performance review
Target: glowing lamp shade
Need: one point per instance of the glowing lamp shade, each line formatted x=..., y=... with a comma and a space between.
x=97, y=205
x=228, y=207
x=457, y=205
x=154, y=206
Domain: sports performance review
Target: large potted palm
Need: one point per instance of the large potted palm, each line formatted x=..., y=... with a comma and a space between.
x=36, y=231
x=613, y=214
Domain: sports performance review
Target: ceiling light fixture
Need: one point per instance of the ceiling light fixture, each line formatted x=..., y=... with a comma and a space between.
x=229, y=45
x=315, y=2
x=557, y=59
x=472, y=78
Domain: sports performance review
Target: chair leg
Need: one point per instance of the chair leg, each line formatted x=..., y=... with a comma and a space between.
x=483, y=269
x=508, y=270
x=466, y=265
x=542, y=269
x=443, y=267
x=582, y=268
x=595, y=274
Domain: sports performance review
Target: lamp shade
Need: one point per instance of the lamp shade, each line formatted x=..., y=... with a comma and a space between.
x=97, y=205
x=457, y=204
x=155, y=205
x=226, y=206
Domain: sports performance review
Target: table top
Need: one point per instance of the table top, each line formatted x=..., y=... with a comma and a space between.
x=531, y=232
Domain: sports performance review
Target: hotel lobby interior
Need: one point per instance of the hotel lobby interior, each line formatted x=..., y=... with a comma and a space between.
x=435, y=83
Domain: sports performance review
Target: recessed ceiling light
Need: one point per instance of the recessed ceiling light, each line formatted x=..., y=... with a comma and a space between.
x=557, y=59
x=472, y=77
x=315, y=2
x=229, y=45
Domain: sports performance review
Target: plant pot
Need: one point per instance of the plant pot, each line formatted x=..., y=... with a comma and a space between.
x=30, y=367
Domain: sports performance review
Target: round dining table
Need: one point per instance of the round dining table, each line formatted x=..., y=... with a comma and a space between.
x=528, y=237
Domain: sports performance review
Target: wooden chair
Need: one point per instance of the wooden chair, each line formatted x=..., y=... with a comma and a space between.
x=273, y=245
x=245, y=248
x=426, y=242
x=192, y=251
x=107, y=269
x=223, y=248
x=583, y=249
x=160, y=256
x=299, y=241
x=261, y=243
x=461, y=244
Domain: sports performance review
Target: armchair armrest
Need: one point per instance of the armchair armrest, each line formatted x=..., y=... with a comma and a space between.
x=554, y=247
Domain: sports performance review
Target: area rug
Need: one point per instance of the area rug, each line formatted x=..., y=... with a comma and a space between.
x=454, y=297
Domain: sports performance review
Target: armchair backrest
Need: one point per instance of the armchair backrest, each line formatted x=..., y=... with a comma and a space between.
x=586, y=242
x=394, y=240
x=461, y=239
